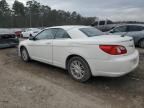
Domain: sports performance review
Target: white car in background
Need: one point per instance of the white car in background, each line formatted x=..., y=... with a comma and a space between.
x=82, y=50
x=30, y=32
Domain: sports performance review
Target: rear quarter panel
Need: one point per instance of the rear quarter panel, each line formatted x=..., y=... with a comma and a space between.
x=64, y=48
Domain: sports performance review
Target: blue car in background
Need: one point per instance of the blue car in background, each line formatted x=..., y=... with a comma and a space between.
x=134, y=30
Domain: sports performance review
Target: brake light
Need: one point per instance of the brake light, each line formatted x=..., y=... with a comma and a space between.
x=113, y=49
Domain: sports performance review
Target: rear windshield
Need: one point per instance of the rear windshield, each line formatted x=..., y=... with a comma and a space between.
x=91, y=32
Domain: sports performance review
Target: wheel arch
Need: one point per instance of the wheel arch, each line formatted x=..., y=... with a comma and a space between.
x=74, y=55
x=20, y=48
x=89, y=72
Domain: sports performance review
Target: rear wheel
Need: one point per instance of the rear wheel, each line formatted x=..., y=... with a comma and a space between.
x=79, y=69
x=24, y=55
x=141, y=43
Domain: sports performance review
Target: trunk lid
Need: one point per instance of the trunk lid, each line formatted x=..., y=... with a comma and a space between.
x=117, y=40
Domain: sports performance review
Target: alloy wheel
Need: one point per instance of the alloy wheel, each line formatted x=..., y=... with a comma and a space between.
x=77, y=69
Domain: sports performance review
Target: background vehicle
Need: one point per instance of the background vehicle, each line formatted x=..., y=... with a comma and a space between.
x=84, y=51
x=8, y=39
x=134, y=30
x=104, y=25
x=17, y=32
x=30, y=32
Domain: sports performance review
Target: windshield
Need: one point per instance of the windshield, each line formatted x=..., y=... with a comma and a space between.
x=91, y=32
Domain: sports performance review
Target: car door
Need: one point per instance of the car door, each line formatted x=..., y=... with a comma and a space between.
x=41, y=47
x=121, y=30
x=135, y=30
x=61, y=47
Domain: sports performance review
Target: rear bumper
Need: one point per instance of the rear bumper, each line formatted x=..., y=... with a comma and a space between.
x=114, y=67
x=9, y=42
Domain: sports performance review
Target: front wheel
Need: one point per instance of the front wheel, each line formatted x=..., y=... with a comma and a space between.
x=79, y=69
x=24, y=55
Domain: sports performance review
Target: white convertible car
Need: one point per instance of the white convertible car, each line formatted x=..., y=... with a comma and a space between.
x=82, y=50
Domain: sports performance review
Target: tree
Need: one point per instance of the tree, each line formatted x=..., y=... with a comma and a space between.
x=4, y=8
x=5, y=14
x=45, y=9
x=18, y=8
x=33, y=7
x=36, y=15
x=44, y=15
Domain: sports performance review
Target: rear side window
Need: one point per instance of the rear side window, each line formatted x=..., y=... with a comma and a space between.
x=120, y=29
x=132, y=28
x=60, y=33
x=91, y=32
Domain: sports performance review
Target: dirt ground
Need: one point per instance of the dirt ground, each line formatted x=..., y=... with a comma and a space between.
x=38, y=85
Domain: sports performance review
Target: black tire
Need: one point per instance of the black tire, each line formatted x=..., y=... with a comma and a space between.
x=86, y=75
x=24, y=54
x=141, y=43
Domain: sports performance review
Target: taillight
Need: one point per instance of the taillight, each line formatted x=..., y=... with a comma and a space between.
x=113, y=49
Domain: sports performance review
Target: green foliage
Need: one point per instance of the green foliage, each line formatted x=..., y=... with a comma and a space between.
x=33, y=7
x=4, y=8
x=36, y=15
x=18, y=8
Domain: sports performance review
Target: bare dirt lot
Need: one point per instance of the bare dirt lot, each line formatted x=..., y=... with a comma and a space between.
x=37, y=85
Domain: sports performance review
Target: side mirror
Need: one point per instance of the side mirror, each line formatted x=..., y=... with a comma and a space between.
x=31, y=38
x=31, y=35
x=112, y=31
